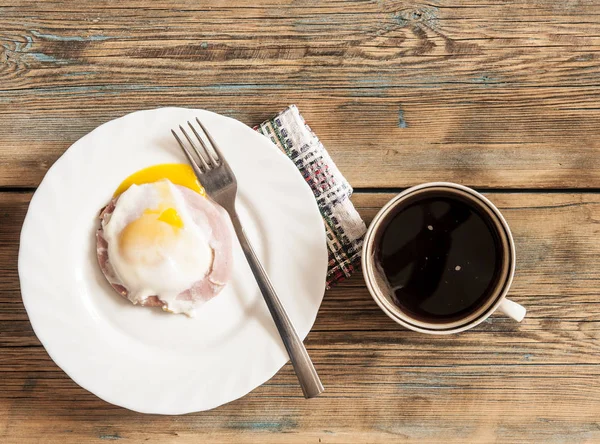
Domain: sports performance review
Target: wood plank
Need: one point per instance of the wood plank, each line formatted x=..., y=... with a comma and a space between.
x=501, y=95
x=502, y=382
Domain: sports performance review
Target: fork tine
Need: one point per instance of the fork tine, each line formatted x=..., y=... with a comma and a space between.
x=211, y=161
x=197, y=168
x=220, y=158
x=198, y=153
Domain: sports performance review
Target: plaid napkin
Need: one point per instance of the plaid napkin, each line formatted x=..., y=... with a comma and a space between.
x=344, y=227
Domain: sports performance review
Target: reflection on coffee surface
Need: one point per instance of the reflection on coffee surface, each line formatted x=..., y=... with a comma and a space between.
x=442, y=256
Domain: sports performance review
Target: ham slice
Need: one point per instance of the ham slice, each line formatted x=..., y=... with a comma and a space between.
x=205, y=213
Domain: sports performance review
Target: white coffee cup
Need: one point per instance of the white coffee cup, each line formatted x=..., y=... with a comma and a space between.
x=382, y=294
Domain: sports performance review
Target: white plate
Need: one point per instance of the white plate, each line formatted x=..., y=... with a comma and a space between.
x=144, y=359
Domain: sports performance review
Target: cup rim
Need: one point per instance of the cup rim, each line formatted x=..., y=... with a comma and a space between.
x=393, y=311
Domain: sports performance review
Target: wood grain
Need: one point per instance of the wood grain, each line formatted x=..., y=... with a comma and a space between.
x=501, y=382
x=498, y=95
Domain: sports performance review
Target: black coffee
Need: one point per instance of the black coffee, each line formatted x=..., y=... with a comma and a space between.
x=442, y=257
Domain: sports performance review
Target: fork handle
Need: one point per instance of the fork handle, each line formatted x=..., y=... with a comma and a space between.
x=303, y=366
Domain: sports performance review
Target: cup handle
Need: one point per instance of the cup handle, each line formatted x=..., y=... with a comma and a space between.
x=512, y=309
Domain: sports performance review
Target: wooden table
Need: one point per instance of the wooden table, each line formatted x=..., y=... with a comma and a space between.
x=501, y=96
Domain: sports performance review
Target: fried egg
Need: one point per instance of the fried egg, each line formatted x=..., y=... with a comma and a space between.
x=162, y=242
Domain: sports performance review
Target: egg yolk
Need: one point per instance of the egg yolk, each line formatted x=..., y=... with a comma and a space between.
x=141, y=240
x=156, y=227
x=178, y=173
x=171, y=217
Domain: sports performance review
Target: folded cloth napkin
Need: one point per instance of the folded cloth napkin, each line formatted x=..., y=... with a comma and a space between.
x=343, y=225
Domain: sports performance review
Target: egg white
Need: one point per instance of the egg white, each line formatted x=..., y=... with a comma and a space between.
x=163, y=260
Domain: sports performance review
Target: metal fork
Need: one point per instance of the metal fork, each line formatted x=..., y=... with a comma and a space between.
x=220, y=184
